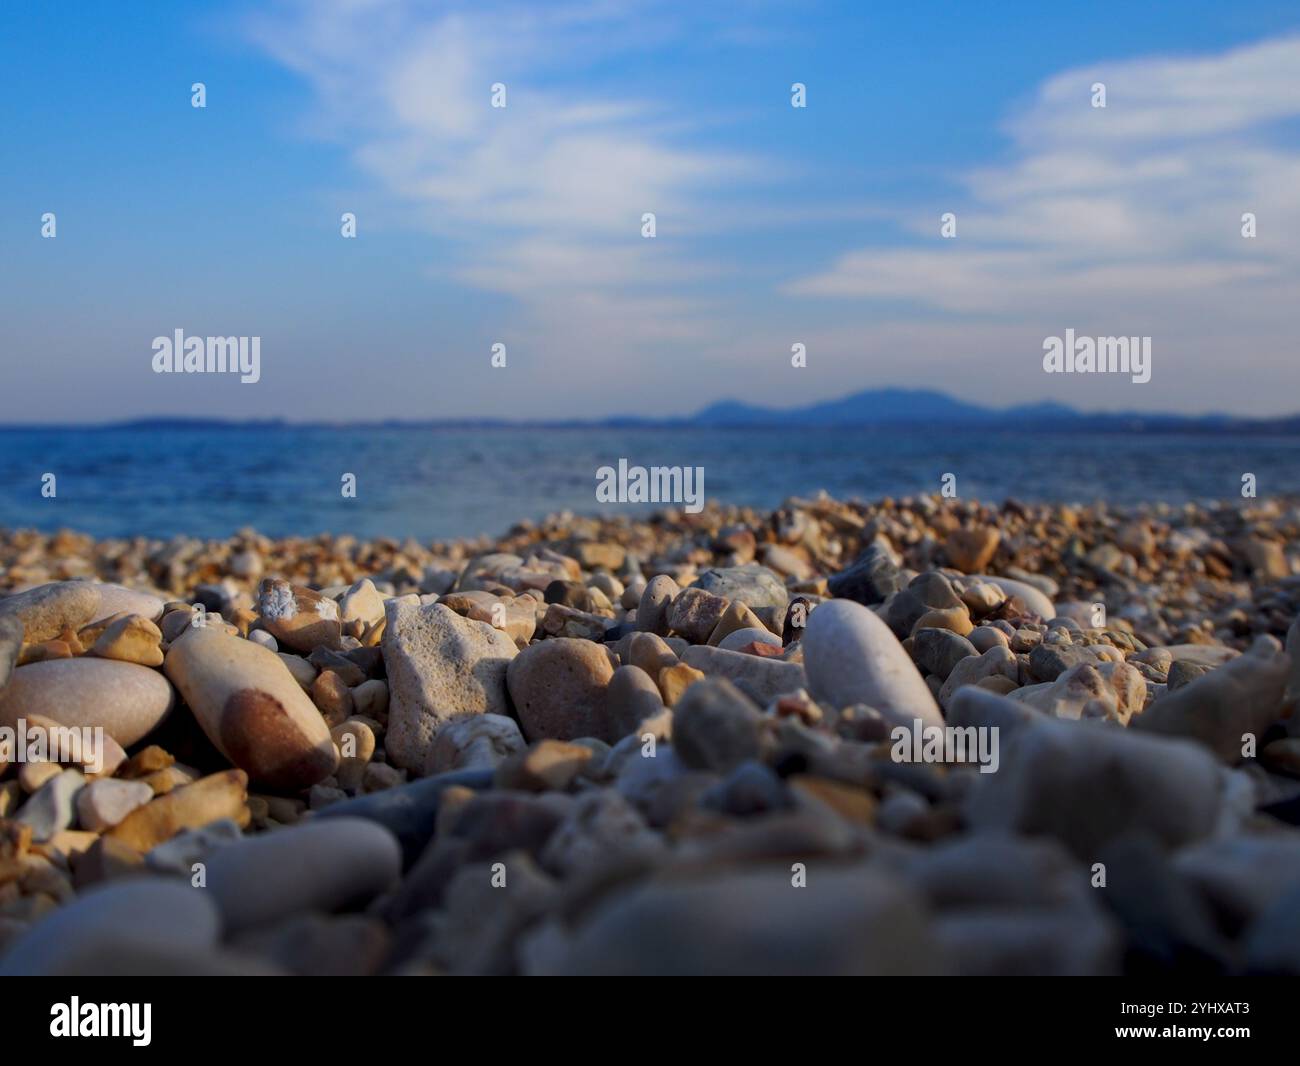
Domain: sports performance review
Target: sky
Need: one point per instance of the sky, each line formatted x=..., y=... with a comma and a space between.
x=522, y=225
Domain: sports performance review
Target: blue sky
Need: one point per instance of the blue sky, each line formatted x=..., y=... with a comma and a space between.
x=522, y=225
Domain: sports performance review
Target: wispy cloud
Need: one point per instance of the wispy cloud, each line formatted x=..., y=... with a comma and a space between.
x=1105, y=209
x=541, y=200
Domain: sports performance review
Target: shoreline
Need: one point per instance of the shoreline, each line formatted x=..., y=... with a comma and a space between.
x=819, y=718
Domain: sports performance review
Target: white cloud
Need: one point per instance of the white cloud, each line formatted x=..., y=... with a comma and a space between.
x=542, y=196
x=1105, y=208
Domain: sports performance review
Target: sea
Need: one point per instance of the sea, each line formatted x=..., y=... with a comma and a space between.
x=448, y=482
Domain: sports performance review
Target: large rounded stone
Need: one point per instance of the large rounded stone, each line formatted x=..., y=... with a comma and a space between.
x=117, y=599
x=127, y=700
x=559, y=690
x=317, y=866
x=847, y=921
x=251, y=708
x=47, y=610
x=440, y=667
x=851, y=656
x=136, y=914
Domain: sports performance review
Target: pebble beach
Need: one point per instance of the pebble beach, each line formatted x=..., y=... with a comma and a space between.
x=667, y=744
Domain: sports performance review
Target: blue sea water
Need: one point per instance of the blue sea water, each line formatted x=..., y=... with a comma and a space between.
x=449, y=482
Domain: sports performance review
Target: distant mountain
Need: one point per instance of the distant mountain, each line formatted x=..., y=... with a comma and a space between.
x=890, y=407
x=872, y=407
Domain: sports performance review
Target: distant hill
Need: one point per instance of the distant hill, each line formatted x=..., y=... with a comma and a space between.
x=887, y=407
x=871, y=407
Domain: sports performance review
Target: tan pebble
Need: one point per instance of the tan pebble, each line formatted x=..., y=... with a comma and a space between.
x=370, y=699
x=956, y=619
x=332, y=697
x=222, y=795
x=675, y=680
x=649, y=652
x=69, y=843
x=737, y=616
x=547, y=765
x=145, y=762
x=131, y=640
x=856, y=804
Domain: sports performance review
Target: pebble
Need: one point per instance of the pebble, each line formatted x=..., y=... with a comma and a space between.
x=632, y=697
x=648, y=651
x=851, y=657
x=602, y=829
x=751, y=584
x=262, y=637
x=299, y=618
x=88, y=936
x=440, y=667
x=474, y=742
x=674, y=680
x=1030, y=596
x=130, y=639
x=51, y=807
x=1086, y=786
x=971, y=550
x=762, y=679
x=695, y=614
x=871, y=579
x=1242, y=697
x=656, y=601
x=318, y=866
x=716, y=727
x=332, y=697
x=559, y=690
x=740, y=639
x=126, y=699
x=925, y=592
x=998, y=661
x=751, y=788
x=736, y=618
x=104, y=803
x=210, y=799
x=937, y=651
x=362, y=603
x=252, y=709
x=547, y=765
x=178, y=855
